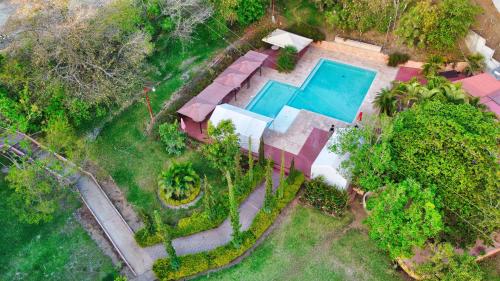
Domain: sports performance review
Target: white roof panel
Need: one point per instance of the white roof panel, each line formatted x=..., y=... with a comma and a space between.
x=282, y=38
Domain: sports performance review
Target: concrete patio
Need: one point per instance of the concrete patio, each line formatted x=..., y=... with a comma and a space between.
x=294, y=138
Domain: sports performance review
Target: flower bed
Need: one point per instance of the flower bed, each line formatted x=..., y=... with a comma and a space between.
x=197, y=263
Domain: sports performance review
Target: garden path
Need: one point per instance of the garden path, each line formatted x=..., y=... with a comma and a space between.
x=213, y=238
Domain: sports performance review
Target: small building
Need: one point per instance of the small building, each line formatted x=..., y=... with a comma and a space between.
x=280, y=39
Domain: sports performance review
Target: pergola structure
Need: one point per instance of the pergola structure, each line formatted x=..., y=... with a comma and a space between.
x=195, y=112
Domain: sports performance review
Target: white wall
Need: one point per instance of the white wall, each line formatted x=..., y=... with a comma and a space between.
x=477, y=44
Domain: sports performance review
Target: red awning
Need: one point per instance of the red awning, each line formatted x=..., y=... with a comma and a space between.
x=232, y=78
x=245, y=65
x=197, y=109
x=486, y=87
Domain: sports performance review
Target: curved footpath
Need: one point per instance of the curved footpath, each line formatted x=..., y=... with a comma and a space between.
x=139, y=260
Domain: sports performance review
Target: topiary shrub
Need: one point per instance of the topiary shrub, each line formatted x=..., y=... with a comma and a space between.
x=180, y=183
x=287, y=59
x=173, y=138
x=308, y=31
x=330, y=199
x=397, y=58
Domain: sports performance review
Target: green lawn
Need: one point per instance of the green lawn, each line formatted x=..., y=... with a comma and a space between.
x=58, y=250
x=122, y=149
x=311, y=246
x=301, y=11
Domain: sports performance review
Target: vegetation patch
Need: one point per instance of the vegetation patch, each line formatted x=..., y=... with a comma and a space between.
x=327, y=198
x=397, y=58
x=287, y=59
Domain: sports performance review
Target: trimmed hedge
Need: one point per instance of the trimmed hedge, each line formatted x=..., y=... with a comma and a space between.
x=327, y=198
x=221, y=256
x=199, y=220
x=172, y=202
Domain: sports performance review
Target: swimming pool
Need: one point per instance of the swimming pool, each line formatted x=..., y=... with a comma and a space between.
x=333, y=89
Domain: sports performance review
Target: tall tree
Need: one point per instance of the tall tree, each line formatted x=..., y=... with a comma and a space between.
x=269, y=199
x=234, y=212
x=208, y=200
x=282, y=184
x=223, y=146
x=250, y=159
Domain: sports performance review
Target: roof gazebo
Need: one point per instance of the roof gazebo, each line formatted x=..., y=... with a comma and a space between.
x=195, y=113
x=280, y=39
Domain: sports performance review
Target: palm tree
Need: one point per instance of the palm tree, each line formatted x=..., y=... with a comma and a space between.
x=179, y=181
x=475, y=64
x=433, y=65
x=386, y=102
x=476, y=102
x=454, y=93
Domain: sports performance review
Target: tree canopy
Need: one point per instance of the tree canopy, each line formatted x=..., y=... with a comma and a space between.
x=223, y=146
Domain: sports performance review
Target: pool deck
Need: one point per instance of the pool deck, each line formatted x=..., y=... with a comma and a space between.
x=296, y=135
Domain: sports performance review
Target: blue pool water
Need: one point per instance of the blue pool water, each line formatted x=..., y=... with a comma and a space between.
x=332, y=89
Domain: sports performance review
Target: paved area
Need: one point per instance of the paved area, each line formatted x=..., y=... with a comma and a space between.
x=296, y=135
x=211, y=239
x=118, y=231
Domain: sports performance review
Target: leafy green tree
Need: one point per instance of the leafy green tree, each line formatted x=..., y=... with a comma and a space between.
x=36, y=193
x=225, y=10
x=404, y=216
x=475, y=65
x=208, y=199
x=163, y=230
x=269, y=199
x=249, y=11
x=282, y=185
x=60, y=137
x=437, y=24
x=237, y=167
x=173, y=138
x=179, y=181
x=223, y=146
x=262, y=157
x=433, y=65
x=447, y=265
x=234, y=212
x=386, y=102
x=449, y=146
x=250, y=159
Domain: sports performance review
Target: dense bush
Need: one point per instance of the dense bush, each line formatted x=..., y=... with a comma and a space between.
x=223, y=255
x=287, y=59
x=173, y=138
x=397, y=58
x=179, y=182
x=329, y=199
x=249, y=11
x=437, y=24
x=308, y=31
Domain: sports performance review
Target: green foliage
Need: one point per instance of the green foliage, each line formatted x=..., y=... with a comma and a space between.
x=163, y=230
x=173, y=138
x=249, y=11
x=11, y=115
x=223, y=146
x=269, y=199
x=437, y=25
x=307, y=31
x=360, y=16
x=262, y=157
x=283, y=182
x=208, y=200
x=221, y=256
x=386, y=102
x=287, y=59
x=36, y=193
x=397, y=58
x=433, y=65
x=237, y=167
x=250, y=159
x=234, y=212
x=404, y=216
x=179, y=182
x=60, y=137
x=121, y=278
x=329, y=199
x=447, y=265
x=475, y=65
x=447, y=146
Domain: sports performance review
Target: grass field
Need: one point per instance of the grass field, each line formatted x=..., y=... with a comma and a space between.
x=311, y=246
x=122, y=149
x=58, y=250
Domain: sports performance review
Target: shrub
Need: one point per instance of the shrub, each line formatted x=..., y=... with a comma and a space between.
x=397, y=58
x=179, y=182
x=287, y=59
x=330, y=199
x=308, y=31
x=223, y=255
x=173, y=138
x=249, y=11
